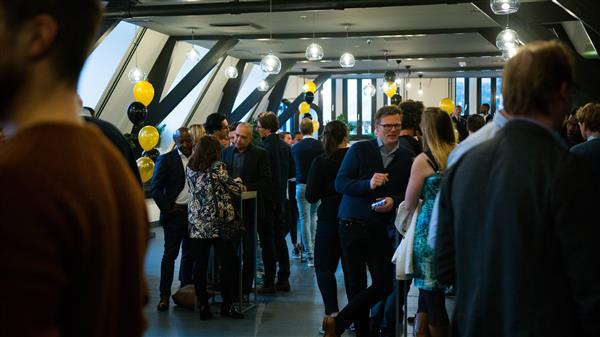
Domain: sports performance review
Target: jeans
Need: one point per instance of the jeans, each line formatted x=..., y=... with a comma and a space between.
x=328, y=252
x=175, y=226
x=364, y=245
x=307, y=214
x=225, y=250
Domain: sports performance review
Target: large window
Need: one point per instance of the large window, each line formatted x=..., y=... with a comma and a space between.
x=326, y=94
x=351, y=106
x=486, y=91
x=499, y=100
x=367, y=110
x=460, y=93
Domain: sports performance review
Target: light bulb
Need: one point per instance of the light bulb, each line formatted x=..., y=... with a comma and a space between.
x=408, y=85
x=314, y=52
x=369, y=90
x=420, y=92
x=136, y=75
x=192, y=55
x=503, y=7
x=509, y=53
x=507, y=39
x=347, y=60
x=270, y=64
x=398, y=81
x=263, y=86
x=231, y=72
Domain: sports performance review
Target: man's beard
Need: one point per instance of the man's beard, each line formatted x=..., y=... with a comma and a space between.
x=12, y=79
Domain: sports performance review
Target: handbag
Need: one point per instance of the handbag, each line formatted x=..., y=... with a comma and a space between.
x=228, y=229
x=403, y=256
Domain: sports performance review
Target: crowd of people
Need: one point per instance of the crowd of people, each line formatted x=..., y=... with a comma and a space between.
x=503, y=203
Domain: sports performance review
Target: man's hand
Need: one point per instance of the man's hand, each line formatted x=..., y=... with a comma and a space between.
x=379, y=179
x=389, y=204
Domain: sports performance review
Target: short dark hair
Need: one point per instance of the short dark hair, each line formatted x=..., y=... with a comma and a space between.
x=269, y=121
x=283, y=134
x=410, y=115
x=486, y=104
x=475, y=122
x=214, y=122
x=233, y=126
x=306, y=127
x=206, y=152
x=76, y=20
x=388, y=110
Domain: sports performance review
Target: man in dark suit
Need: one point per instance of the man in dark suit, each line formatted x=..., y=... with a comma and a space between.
x=376, y=170
x=169, y=190
x=517, y=228
x=250, y=163
x=589, y=122
x=280, y=160
x=460, y=123
x=484, y=110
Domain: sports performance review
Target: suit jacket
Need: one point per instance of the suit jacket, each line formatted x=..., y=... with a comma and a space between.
x=168, y=179
x=589, y=151
x=461, y=127
x=354, y=181
x=518, y=233
x=255, y=174
x=282, y=166
x=303, y=153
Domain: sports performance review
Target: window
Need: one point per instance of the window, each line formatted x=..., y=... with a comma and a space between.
x=326, y=94
x=351, y=104
x=486, y=91
x=499, y=99
x=367, y=110
x=460, y=93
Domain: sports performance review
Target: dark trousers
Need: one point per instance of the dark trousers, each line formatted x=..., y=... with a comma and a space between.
x=328, y=251
x=280, y=230
x=364, y=245
x=175, y=226
x=291, y=213
x=225, y=250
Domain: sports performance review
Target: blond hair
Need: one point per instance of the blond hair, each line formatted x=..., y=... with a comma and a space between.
x=438, y=135
x=306, y=126
x=589, y=115
x=197, y=131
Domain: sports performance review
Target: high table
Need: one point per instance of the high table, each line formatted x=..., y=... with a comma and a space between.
x=248, y=195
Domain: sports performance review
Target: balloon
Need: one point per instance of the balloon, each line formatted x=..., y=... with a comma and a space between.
x=315, y=124
x=152, y=154
x=389, y=89
x=396, y=99
x=309, y=87
x=304, y=107
x=309, y=97
x=148, y=137
x=146, y=167
x=137, y=112
x=446, y=104
x=389, y=76
x=143, y=92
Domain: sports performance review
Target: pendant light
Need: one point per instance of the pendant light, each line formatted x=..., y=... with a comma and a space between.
x=270, y=63
x=314, y=51
x=192, y=54
x=347, y=59
x=136, y=74
x=504, y=7
x=408, y=84
x=420, y=91
x=263, y=86
x=398, y=79
x=231, y=72
x=369, y=89
x=507, y=39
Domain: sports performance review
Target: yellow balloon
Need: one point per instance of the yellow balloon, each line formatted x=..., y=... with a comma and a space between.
x=315, y=124
x=447, y=105
x=148, y=137
x=146, y=167
x=389, y=89
x=304, y=107
x=143, y=92
x=309, y=87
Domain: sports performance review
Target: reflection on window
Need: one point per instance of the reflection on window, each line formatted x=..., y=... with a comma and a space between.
x=367, y=109
x=326, y=94
x=288, y=124
x=101, y=65
x=486, y=91
x=460, y=93
x=499, y=99
x=352, y=106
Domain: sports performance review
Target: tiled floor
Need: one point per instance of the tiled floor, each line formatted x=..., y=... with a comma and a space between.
x=295, y=314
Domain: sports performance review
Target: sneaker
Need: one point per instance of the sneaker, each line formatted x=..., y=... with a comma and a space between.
x=310, y=262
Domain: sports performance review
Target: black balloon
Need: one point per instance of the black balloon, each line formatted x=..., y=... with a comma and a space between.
x=309, y=97
x=152, y=154
x=137, y=112
x=396, y=99
x=389, y=76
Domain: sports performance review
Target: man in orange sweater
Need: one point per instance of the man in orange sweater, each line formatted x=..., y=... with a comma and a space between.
x=73, y=225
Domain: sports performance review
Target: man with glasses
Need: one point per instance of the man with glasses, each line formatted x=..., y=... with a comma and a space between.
x=372, y=171
x=216, y=125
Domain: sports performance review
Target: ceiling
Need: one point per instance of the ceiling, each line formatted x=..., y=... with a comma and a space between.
x=432, y=39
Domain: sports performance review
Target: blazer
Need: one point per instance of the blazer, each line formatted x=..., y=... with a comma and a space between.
x=255, y=174
x=282, y=166
x=320, y=185
x=589, y=151
x=303, y=153
x=517, y=234
x=168, y=179
x=354, y=181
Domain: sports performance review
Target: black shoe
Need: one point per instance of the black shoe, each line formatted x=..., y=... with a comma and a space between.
x=163, y=304
x=231, y=311
x=283, y=286
x=205, y=313
x=266, y=289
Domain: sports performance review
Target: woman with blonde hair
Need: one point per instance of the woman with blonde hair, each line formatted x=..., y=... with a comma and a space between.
x=197, y=131
x=438, y=141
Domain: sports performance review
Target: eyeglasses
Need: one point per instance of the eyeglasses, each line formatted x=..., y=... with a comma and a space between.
x=389, y=127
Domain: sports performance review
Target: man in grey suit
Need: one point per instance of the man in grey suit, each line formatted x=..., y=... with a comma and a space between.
x=516, y=232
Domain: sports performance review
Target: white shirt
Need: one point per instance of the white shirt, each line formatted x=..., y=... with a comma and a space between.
x=183, y=197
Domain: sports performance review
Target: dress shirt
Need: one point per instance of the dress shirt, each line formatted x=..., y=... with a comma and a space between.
x=182, y=198
x=386, y=156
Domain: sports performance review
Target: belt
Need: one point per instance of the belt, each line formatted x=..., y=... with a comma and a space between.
x=346, y=221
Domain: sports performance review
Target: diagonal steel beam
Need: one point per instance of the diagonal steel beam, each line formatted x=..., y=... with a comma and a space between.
x=157, y=112
x=277, y=94
x=158, y=73
x=293, y=107
x=584, y=10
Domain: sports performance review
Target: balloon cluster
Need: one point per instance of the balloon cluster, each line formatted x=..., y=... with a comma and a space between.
x=389, y=87
x=447, y=105
x=309, y=89
x=147, y=136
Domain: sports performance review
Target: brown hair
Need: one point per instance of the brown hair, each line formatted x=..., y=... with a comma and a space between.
x=533, y=76
x=306, y=127
x=206, y=152
x=388, y=110
x=475, y=122
x=197, y=132
x=76, y=22
x=334, y=134
x=589, y=115
x=438, y=135
x=269, y=121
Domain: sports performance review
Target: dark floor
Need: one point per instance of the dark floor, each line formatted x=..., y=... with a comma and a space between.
x=295, y=314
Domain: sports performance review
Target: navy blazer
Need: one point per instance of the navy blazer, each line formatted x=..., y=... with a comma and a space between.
x=303, y=153
x=282, y=166
x=168, y=179
x=354, y=181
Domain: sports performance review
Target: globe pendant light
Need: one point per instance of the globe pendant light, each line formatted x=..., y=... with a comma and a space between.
x=420, y=91
x=347, y=59
x=369, y=90
x=509, y=53
x=193, y=55
x=270, y=64
x=263, y=86
x=504, y=7
x=398, y=79
x=507, y=39
x=136, y=75
x=231, y=72
x=314, y=52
